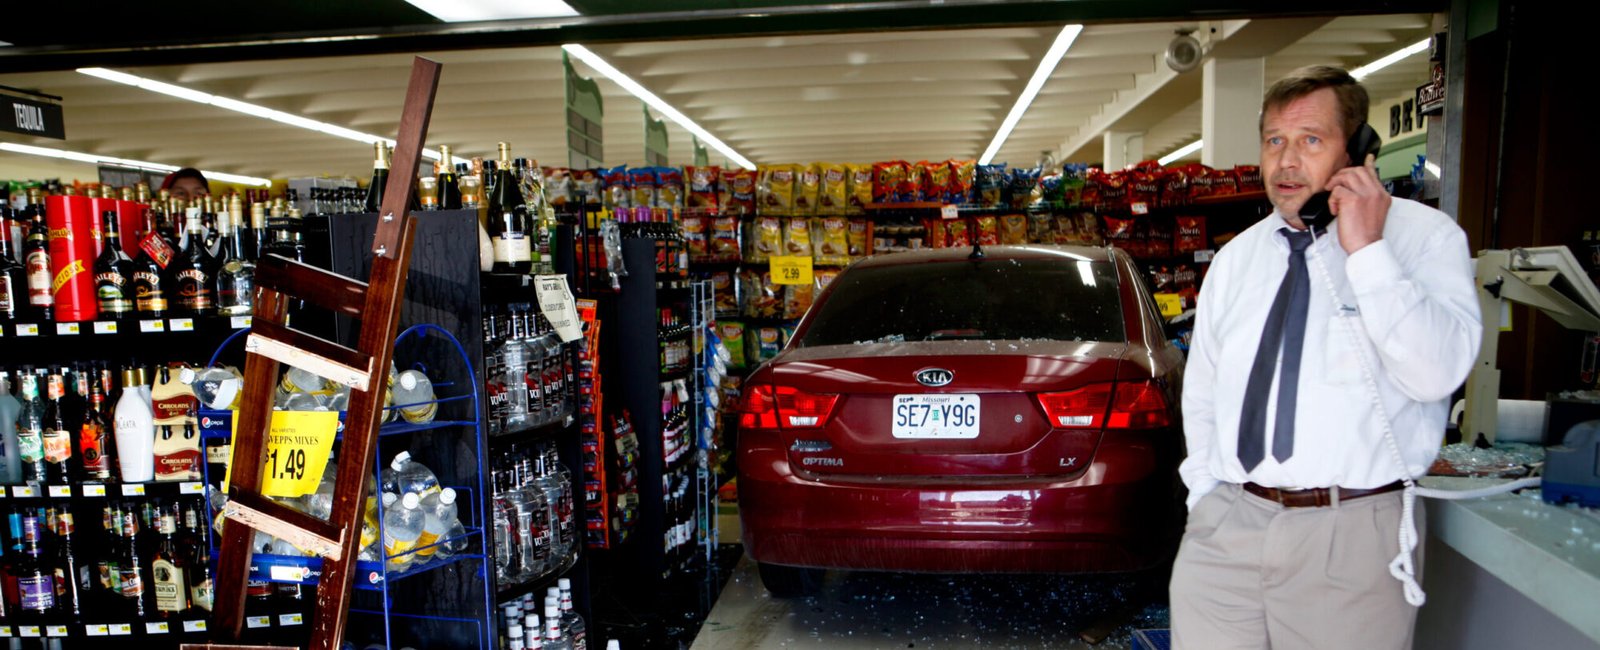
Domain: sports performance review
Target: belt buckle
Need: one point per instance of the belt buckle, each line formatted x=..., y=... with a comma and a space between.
x=1285, y=493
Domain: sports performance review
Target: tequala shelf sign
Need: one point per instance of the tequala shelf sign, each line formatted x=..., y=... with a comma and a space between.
x=30, y=113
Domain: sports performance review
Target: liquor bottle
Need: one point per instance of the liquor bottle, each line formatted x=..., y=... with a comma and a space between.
x=200, y=585
x=69, y=587
x=135, y=430
x=94, y=443
x=508, y=221
x=380, y=177
x=105, y=580
x=30, y=429
x=254, y=238
x=214, y=209
x=168, y=572
x=113, y=273
x=58, y=434
x=35, y=582
x=10, y=408
x=8, y=569
x=554, y=638
x=236, y=275
x=195, y=268
x=130, y=570
x=570, y=618
x=36, y=256
x=13, y=275
x=151, y=296
x=449, y=187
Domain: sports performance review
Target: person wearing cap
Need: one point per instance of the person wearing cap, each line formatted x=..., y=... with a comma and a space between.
x=187, y=184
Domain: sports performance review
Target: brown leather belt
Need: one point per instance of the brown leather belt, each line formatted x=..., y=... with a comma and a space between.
x=1316, y=497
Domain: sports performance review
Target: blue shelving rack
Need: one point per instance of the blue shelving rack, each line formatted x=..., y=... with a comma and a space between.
x=378, y=577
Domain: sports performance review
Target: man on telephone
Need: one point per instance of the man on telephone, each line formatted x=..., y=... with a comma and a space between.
x=1325, y=351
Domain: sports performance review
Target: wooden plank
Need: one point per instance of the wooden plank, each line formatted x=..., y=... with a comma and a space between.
x=316, y=286
x=278, y=520
x=315, y=354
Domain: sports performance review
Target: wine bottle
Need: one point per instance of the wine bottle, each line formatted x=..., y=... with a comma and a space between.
x=449, y=187
x=113, y=273
x=508, y=221
x=380, y=177
x=69, y=587
x=13, y=275
x=236, y=275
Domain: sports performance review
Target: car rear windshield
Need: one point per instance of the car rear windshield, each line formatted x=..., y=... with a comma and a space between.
x=1060, y=299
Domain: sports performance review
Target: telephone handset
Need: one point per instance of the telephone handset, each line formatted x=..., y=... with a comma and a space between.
x=1362, y=143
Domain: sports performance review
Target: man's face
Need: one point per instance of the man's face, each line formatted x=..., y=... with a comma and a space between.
x=187, y=189
x=1302, y=145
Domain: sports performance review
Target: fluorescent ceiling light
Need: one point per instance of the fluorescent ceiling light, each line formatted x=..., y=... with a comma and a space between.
x=666, y=110
x=253, y=110
x=1370, y=68
x=124, y=162
x=460, y=11
x=1047, y=66
x=1181, y=152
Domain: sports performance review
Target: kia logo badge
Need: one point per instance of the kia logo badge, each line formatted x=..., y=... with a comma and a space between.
x=935, y=377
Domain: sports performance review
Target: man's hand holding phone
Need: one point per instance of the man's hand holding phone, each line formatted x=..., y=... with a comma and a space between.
x=1361, y=203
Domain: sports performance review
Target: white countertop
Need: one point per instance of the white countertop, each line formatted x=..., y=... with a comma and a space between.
x=1551, y=554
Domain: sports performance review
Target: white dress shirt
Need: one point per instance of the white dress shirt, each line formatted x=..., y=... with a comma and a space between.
x=1411, y=299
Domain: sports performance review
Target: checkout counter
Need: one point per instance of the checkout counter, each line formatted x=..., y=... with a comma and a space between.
x=1514, y=571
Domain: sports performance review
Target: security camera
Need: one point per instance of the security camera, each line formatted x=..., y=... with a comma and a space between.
x=1184, y=52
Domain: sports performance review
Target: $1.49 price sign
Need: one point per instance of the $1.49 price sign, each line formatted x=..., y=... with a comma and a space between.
x=298, y=443
x=791, y=269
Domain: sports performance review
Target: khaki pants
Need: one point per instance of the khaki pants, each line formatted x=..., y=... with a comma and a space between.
x=1253, y=575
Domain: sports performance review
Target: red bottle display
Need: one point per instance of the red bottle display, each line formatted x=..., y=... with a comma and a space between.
x=70, y=219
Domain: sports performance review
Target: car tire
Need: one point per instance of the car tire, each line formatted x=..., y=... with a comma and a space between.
x=789, y=581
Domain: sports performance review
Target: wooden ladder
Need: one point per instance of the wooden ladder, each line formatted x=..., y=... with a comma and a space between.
x=376, y=303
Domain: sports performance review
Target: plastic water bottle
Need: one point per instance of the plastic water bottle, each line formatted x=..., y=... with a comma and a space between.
x=433, y=530
x=402, y=527
x=410, y=477
x=443, y=506
x=298, y=380
x=414, y=395
x=217, y=388
x=570, y=618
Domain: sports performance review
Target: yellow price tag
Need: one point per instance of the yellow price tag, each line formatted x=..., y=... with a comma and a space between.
x=791, y=269
x=297, y=452
x=1170, y=304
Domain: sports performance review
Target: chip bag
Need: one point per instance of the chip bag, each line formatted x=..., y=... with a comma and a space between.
x=1224, y=182
x=956, y=234
x=1021, y=184
x=696, y=236
x=669, y=188
x=558, y=186
x=1249, y=178
x=860, y=238
x=1158, y=243
x=887, y=177
x=768, y=239
x=1065, y=231
x=911, y=187
x=1041, y=228
x=703, y=182
x=1014, y=229
x=991, y=185
x=823, y=278
x=732, y=334
x=1175, y=187
x=807, y=190
x=833, y=197
x=963, y=179
x=834, y=248
x=858, y=187
x=938, y=235
x=769, y=342
x=988, y=231
x=1201, y=183
x=935, y=182
x=616, y=187
x=762, y=298
x=776, y=189
x=591, y=184
x=726, y=292
x=725, y=239
x=1191, y=234
x=797, y=237
x=1089, y=230
x=1119, y=233
x=642, y=183
x=797, y=299
x=737, y=194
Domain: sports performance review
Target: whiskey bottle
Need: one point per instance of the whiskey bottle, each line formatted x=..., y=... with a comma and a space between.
x=130, y=572
x=36, y=256
x=196, y=295
x=113, y=273
x=94, y=433
x=58, y=434
x=168, y=572
x=69, y=588
x=150, y=288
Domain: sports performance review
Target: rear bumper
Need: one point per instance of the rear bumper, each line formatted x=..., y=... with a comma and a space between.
x=1122, y=514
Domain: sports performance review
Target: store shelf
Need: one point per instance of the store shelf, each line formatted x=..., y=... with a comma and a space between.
x=108, y=629
x=496, y=285
x=539, y=584
x=101, y=491
x=1230, y=199
x=290, y=569
x=550, y=428
x=218, y=425
x=41, y=343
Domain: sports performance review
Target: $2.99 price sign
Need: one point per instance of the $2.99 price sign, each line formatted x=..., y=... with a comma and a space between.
x=298, y=443
x=791, y=269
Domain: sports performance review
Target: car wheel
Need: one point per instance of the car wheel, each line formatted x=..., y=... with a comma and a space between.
x=789, y=581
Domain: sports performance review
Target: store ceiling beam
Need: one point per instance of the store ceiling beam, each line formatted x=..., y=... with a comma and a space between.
x=843, y=107
x=114, y=45
x=759, y=80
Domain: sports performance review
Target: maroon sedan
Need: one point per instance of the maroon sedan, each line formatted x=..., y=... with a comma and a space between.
x=1014, y=410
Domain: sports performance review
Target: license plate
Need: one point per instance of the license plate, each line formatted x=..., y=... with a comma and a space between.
x=953, y=417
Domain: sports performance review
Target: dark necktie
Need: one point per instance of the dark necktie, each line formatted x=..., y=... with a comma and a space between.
x=1285, y=330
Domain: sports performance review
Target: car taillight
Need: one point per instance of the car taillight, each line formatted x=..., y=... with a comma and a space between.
x=1084, y=408
x=1138, y=406
x=798, y=409
x=758, y=410
x=1126, y=406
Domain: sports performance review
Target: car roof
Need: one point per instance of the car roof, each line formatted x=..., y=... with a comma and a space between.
x=1085, y=253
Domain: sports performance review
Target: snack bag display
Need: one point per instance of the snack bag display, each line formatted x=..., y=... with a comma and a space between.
x=911, y=187
x=988, y=231
x=669, y=188
x=991, y=185
x=616, y=187
x=725, y=239
x=766, y=240
x=558, y=186
x=1201, y=183
x=938, y=235
x=1049, y=191
x=963, y=178
x=1089, y=230
x=642, y=183
x=1113, y=192
x=769, y=343
x=1066, y=230
x=1159, y=241
x=591, y=184
x=860, y=238
x=726, y=292
x=797, y=299
x=696, y=236
x=762, y=298
x=833, y=195
x=1041, y=228
x=807, y=190
x=824, y=277
x=1175, y=187
x=935, y=182
x=1223, y=182
x=1014, y=229
x=1144, y=187
x=797, y=237
x=737, y=192
x=776, y=189
x=1249, y=178
x=956, y=234
x=1021, y=184
x=732, y=334
x=858, y=187
x=834, y=247
x=703, y=186
x=887, y=177
x=1191, y=234
x=1120, y=233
